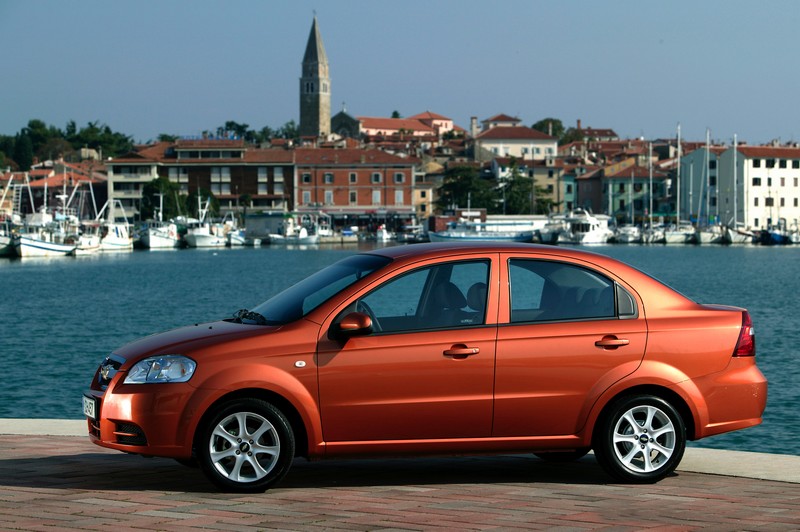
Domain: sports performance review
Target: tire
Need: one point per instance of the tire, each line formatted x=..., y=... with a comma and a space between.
x=564, y=456
x=640, y=439
x=246, y=445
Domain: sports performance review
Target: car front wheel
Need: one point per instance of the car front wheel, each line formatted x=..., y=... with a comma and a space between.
x=640, y=439
x=246, y=445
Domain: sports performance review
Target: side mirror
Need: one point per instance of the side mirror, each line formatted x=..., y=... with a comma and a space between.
x=353, y=324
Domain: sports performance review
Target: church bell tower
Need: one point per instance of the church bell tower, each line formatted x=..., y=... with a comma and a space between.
x=315, y=88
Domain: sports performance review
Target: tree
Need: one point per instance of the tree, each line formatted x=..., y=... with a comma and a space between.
x=550, y=126
x=517, y=190
x=23, y=151
x=152, y=194
x=289, y=130
x=396, y=114
x=165, y=137
x=571, y=135
x=463, y=187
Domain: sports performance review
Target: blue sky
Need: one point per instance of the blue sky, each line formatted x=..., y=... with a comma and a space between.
x=180, y=67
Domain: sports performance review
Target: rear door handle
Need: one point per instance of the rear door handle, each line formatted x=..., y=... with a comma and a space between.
x=612, y=342
x=461, y=351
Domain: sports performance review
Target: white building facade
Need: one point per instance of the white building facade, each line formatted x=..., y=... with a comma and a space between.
x=760, y=186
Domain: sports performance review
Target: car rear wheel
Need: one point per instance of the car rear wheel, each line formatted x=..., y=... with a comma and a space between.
x=640, y=439
x=246, y=445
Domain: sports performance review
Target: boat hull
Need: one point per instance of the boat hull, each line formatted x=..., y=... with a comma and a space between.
x=26, y=246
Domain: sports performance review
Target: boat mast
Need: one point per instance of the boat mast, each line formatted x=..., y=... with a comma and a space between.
x=650, y=188
x=708, y=177
x=735, y=184
x=678, y=180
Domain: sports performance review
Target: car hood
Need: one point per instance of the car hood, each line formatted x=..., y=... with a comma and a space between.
x=190, y=338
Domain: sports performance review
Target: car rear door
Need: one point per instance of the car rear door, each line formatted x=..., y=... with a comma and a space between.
x=567, y=331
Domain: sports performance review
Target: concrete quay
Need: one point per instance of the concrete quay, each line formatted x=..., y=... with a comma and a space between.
x=53, y=478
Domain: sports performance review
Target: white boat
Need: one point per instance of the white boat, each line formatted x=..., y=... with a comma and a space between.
x=628, y=234
x=237, y=237
x=462, y=231
x=88, y=240
x=681, y=233
x=739, y=234
x=584, y=227
x=299, y=236
x=161, y=235
x=6, y=240
x=115, y=237
x=204, y=234
x=44, y=237
x=711, y=234
x=654, y=235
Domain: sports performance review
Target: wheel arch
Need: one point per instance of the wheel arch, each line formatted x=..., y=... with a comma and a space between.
x=671, y=396
x=280, y=402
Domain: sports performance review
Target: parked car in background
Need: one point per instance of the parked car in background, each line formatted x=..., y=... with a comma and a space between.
x=439, y=348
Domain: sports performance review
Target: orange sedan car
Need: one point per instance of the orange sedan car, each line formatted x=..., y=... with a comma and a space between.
x=439, y=348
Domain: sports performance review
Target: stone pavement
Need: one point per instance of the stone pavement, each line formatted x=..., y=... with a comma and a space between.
x=61, y=481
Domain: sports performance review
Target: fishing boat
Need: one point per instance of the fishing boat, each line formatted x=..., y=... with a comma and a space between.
x=290, y=232
x=160, y=235
x=204, y=234
x=88, y=240
x=43, y=236
x=680, y=233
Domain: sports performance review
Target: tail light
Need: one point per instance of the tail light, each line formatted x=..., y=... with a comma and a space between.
x=746, y=346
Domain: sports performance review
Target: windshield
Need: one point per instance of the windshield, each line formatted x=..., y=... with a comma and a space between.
x=303, y=297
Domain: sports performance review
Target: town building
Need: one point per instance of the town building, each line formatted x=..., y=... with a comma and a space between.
x=759, y=186
x=503, y=136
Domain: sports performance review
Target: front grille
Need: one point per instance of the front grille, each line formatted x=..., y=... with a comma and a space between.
x=129, y=434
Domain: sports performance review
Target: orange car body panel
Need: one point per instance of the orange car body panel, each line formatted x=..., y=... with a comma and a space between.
x=526, y=386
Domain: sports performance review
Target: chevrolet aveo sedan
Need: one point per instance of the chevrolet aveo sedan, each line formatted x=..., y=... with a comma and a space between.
x=436, y=349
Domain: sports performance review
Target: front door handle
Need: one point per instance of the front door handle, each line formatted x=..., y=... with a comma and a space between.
x=612, y=342
x=460, y=351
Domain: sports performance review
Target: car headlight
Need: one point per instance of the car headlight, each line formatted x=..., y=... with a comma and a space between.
x=164, y=368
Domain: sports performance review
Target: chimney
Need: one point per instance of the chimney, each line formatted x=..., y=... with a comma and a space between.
x=473, y=126
x=579, y=124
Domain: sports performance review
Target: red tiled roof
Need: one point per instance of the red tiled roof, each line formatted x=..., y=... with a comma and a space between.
x=393, y=124
x=502, y=118
x=769, y=152
x=636, y=171
x=211, y=144
x=427, y=115
x=58, y=180
x=514, y=133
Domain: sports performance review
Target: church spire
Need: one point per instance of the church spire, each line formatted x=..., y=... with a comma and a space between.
x=315, y=88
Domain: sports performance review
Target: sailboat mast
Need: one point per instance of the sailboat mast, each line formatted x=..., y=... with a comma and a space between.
x=678, y=180
x=650, y=188
x=708, y=176
x=735, y=183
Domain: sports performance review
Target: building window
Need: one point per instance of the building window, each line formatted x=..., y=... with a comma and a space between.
x=756, y=181
x=376, y=177
x=524, y=150
x=376, y=197
x=796, y=164
x=221, y=179
x=795, y=202
x=756, y=163
x=277, y=174
x=306, y=197
x=550, y=174
x=263, y=188
x=782, y=163
x=712, y=180
x=262, y=174
x=569, y=189
x=353, y=197
x=769, y=181
x=783, y=181
x=769, y=202
x=423, y=194
x=278, y=189
x=621, y=187
x=399, y=177
x=783, y=203
x=329, y=197
x=353, y=177
x=770, y=163
x=712, y=165
x=398, y=197
x=306, y=178
x=328, y=178
x=755, y=202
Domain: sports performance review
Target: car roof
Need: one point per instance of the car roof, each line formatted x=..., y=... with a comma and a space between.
x=448, y=248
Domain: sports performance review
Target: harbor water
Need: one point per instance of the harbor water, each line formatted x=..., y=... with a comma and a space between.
x=61, y=317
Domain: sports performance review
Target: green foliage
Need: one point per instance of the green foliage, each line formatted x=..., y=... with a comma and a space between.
x=571, y=135
x=23, y=151
x=174, y=204
x=396, y=114
x=516, y=192
x=550, y=126
x=464, y=187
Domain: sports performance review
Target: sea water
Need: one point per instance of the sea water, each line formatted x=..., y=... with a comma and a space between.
x=60, y=317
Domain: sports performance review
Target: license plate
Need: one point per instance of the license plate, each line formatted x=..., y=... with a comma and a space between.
x=90, y=407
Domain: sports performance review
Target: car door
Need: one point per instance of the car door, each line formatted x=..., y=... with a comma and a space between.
x=427, y=371
x=567, y=332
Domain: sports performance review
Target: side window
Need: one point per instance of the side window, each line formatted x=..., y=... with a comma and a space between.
x=442, y=296
x=552, y=291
